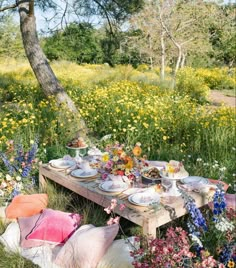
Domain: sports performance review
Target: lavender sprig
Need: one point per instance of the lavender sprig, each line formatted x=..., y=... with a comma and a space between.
x=11, y=169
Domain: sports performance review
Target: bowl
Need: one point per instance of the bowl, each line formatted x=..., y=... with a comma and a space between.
x=151, y=175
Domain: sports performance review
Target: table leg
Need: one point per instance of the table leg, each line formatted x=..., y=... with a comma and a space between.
x=42, y=181
x=149, y=227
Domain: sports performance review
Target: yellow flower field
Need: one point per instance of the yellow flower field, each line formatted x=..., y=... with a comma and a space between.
x=129, y=104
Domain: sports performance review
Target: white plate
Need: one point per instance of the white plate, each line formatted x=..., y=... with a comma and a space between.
x=80, y=173
x=61, y=163
x=144, y=199
x=113, y=186
x=195, y=180
x=76, y=148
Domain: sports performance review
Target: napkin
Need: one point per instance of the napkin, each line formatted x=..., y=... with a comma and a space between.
x=119, y=178
x=94, y=152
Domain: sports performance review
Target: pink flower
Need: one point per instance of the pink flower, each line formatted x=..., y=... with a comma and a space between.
x=113, y=204
x=104, y=176
x=110, y=221
x=113, y=220
x=122, y=207
x=108, y=210
x=116, y=220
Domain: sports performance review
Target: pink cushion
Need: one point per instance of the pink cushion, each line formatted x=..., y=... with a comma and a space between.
x=87, y=246
x=51, y=226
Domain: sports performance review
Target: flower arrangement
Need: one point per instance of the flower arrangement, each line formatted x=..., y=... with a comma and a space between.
x=209, y=241
x=118, y=160
x=17, y=169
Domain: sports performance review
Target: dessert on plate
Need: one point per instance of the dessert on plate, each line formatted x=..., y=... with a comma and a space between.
x=77, y=143
x=175, y=170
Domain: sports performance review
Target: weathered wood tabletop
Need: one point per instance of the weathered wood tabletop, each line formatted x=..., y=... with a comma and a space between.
x=149, y=218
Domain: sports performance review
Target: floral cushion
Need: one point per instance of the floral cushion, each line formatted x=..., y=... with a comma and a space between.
x=26, y=205
x=87, y=246
x=51, y=226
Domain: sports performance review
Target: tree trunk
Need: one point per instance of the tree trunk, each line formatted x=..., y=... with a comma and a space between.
x=183, y=60
x=163, y=55
x=38, y=61
x=178, y=59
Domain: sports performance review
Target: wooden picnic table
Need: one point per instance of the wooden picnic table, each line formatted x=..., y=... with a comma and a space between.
x=149, y=218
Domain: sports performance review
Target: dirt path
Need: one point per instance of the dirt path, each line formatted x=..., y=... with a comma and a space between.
x=217, y=98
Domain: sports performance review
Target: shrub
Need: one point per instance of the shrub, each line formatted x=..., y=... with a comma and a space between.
x=189, y=83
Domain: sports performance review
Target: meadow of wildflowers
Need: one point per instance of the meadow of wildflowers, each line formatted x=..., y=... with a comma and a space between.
x=132, y=106
x=171, y=125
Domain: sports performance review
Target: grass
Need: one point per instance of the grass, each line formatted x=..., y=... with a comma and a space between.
x=229, y=93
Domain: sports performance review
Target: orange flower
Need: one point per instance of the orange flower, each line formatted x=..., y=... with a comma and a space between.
x=137, y=150
x=129, y=163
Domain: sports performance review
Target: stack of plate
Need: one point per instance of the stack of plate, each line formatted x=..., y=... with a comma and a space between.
x=144, y=198
x=62, y=163
x=195, y=180
x=113, y=186
x=80, y=173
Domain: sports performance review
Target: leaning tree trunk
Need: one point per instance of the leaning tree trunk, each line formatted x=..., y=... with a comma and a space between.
x=38, y=61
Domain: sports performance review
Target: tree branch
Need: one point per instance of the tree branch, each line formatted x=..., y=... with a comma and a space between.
x=106, y=14
x=8, y=7
x=31, y=8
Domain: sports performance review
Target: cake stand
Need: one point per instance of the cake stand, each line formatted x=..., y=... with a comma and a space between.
x=78, y=151
x=173, y=190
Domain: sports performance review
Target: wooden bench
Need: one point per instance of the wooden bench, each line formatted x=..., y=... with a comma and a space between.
x=148, y=218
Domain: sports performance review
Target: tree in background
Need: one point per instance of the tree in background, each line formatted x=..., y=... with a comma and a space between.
x=173, y=30
x=77, y=42
x=10, y=39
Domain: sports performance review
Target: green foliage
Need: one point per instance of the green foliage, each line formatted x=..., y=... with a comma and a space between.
x=189, y=83
x=10, y=39
x=77, y=43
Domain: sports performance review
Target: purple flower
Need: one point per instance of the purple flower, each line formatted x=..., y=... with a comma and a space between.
x=219, y=203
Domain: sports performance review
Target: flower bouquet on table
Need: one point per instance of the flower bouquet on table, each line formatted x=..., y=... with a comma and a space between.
x=18, y=168
x=121, y=161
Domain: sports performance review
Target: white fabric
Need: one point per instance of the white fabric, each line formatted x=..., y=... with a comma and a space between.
x=11, y=237
x=118, y=255
x=42, y=256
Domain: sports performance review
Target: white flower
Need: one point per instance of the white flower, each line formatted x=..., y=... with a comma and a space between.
x=1, y=193
x=189, y=156
x=3, y=184
x=199, y=159
x=8, y=177
x=233, y=148
x=18, y=178
x=223, y=225
x=196, y=240
x=19, y=186
x=223, y=169
x=106, y=137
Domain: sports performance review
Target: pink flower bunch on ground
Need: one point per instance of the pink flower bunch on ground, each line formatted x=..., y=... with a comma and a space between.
x=171, y=251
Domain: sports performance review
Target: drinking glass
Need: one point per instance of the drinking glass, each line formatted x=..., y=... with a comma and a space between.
x=82, y=151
